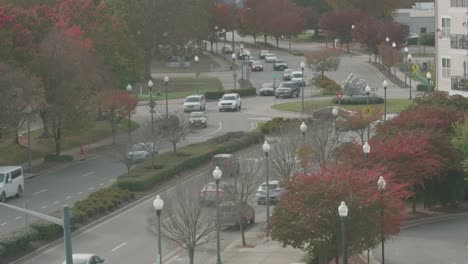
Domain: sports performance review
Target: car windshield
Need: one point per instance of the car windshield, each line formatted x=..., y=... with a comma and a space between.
x=297, y=75
x=197, y=114
x=287, y=85
x=230, y=97
x=139, y=147
x=256, y=63
x=192, y=99
x=280, y=61
x=272, y=187
x=267, y=85
x=2, y=177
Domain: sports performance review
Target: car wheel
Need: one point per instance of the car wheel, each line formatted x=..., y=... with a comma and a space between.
x=252, y=221
x=3, y=198
x=19, y=192
x=240, y=107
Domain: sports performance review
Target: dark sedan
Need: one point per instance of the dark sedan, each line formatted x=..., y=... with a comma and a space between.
x=280, y=65
x=267, y=89
x=257, y=66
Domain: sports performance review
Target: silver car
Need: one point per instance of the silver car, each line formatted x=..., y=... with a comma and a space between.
x=85, y=259
x=275, y=191
x=198, y=119
x=141, y=151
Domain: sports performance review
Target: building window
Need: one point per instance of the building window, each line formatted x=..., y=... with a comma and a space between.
x=423, y=30
x=446, y=27
x=446, y=68
x=458, y=3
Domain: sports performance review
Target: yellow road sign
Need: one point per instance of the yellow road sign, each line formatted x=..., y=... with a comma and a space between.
x=415, y=68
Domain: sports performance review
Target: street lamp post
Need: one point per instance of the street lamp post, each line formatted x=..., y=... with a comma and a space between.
x=197, y=73
x=406, y=64
x=381, y=184
x=266, y=151
x=385, y=84
x=224, y=49
x=366, y=150
x=352, y=41
x=428, y=76
x=303, y=128
x=343, y=212
x=216, y=39
x=217, y=173
x=234, y=70
x=28, y=112
x=393, y=58
x=368, y=89
x=158, y=204
x=166, y=82
x=302, y=85
x=241, y=54
x=152, y=105
x=409, y=58
x=129, y=90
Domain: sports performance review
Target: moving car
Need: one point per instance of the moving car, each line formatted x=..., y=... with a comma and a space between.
x=275, y=191
x=231, y=215
x=230, y=101
x=296, y=76
x=267, y=89
x=280, y=65
x=288, y=89
x=263, y=53
x=208, y=193
x=194, y=103
x=270, y=58
x=287, y=74
x=11, y=182
x=198, y=119
x=141, y=151
x=257, y=66
x=85, y=259
x=227, y=49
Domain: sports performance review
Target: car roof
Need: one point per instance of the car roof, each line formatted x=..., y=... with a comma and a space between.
x=195, y=95
x=230, y=94
x=280, y=60
x=267, y=84
x=297, y=72
x=223, y=156
x=271, y=182
x=263, y=50
x=4, y=169
x=197, y=113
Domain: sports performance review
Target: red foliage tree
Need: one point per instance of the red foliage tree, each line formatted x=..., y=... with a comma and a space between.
x=117, y=105
x=250, y=20
x=307, y=217
x=224, y=16
x=338, y=23
x=360, y=120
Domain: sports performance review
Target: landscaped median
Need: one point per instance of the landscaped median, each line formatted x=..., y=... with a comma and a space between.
x=102, y=202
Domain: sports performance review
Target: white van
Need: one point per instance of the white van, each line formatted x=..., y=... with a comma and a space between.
x=11, y=182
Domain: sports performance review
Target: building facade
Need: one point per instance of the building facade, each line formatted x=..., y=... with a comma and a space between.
x=418, y=19
x=452, y=46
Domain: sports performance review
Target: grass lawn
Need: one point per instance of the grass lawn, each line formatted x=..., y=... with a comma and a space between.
x=181, y=87
x=205, y=64
x=393, y=105
x=12, y=154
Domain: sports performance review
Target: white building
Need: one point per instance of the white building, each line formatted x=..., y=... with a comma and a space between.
x=418, y=19
x=452, y=46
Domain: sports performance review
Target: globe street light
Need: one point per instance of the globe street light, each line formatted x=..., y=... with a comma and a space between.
x=166, y=82
x=152, y=105
x=217, y=173
x=368, y=89
x=266, y=151
x=387, y=39
x=381, y=184
x=129, y=90
x=428, y=76
x=366, y=150
x=158, y=204
x=393, y=58
x=224, y=49
x=234, y=69
x=197, y=73
x=303, y=128
x=385, y=84
x=406, y=67
x=343, y=212
x=302, y=85
x=409, y=58
x=352, y=31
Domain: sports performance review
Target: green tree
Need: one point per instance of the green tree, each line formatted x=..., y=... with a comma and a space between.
x=377, y=8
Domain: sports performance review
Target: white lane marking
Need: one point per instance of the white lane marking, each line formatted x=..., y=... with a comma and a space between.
x=44, y=207
x=56, y=202
x=220, y=127
x=4, y=223
x=36, y=193
x=119, y=246
x=87, y=174
x=80, y=193
x=91, y=188
x=68, y=197
x=19, y=217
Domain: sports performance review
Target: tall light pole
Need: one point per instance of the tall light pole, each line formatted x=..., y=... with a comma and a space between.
x=166, y=82
x=216, y=39
x=393, y=58
x=234, y=69
x=303, y=128
x=266, y=151
x=217, y=173
x=366, y=150
x=197, y=73
x=367, y=90
x=381, y=184
x=158, y=204
x=302, y=85
x=241, y=54
x=385, y=84
x=224, y=47
x=129, y=90
x=429, y=76
x=409, y=58
x=343, y=212
x=28, y=119
x=152, y=105
x=352, y=31
x=335, y=115
x=406, y=64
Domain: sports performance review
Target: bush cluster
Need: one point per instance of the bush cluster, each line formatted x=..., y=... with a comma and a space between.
x=328, y=86
x=359, y=100
x=278, y=123
x=215, y=95
x=423, y=87
x=58, y=158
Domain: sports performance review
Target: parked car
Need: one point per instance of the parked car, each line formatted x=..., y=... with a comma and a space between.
x=288, y=89
x=141, y=151
x=85, y=259
x=263, y=53
x=208, y=193
x=194, y=103
x=287, y=74
x=11, y=182
x=267, y=89
x=257, y=66
x=280, y=65
x=227, y=49
x=231, y=215
x=270, y=58
x=296, y=76
x=231, y=101
x=198, y=119
x=275, y=191
x=228, y=163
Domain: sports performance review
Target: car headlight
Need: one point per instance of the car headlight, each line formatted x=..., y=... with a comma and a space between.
x=191, y=121
x=203, y=121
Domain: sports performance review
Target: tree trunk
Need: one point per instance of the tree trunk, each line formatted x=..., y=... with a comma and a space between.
x=277, y=41
x=17, y=137
x=289, y=43
x=265, y=38
x=242, y=231
x=57, y=137
x=191, y=253
x=174, y=147
x=255, y=41
x=113, y=129
x=211, y=46
x=347, y=46
x=148, y=65
x=337, y=260
x=414, y=200
x=45, y=129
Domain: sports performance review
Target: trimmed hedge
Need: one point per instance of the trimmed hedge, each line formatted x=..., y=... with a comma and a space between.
x=215, y=95
x=58, y=158
x=17, y=241
x=359, y=100
x=423, y=87
x=278, y=123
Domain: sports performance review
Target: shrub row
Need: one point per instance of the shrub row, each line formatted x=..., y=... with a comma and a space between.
x=224, y=144
x=359, y=100
x=215, y=95
x=58, y=158
x=278, y=123
x=328, y=86
x=423, y=87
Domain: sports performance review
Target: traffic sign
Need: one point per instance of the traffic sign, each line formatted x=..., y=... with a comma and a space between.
x=415, y=68
x=339, y=95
